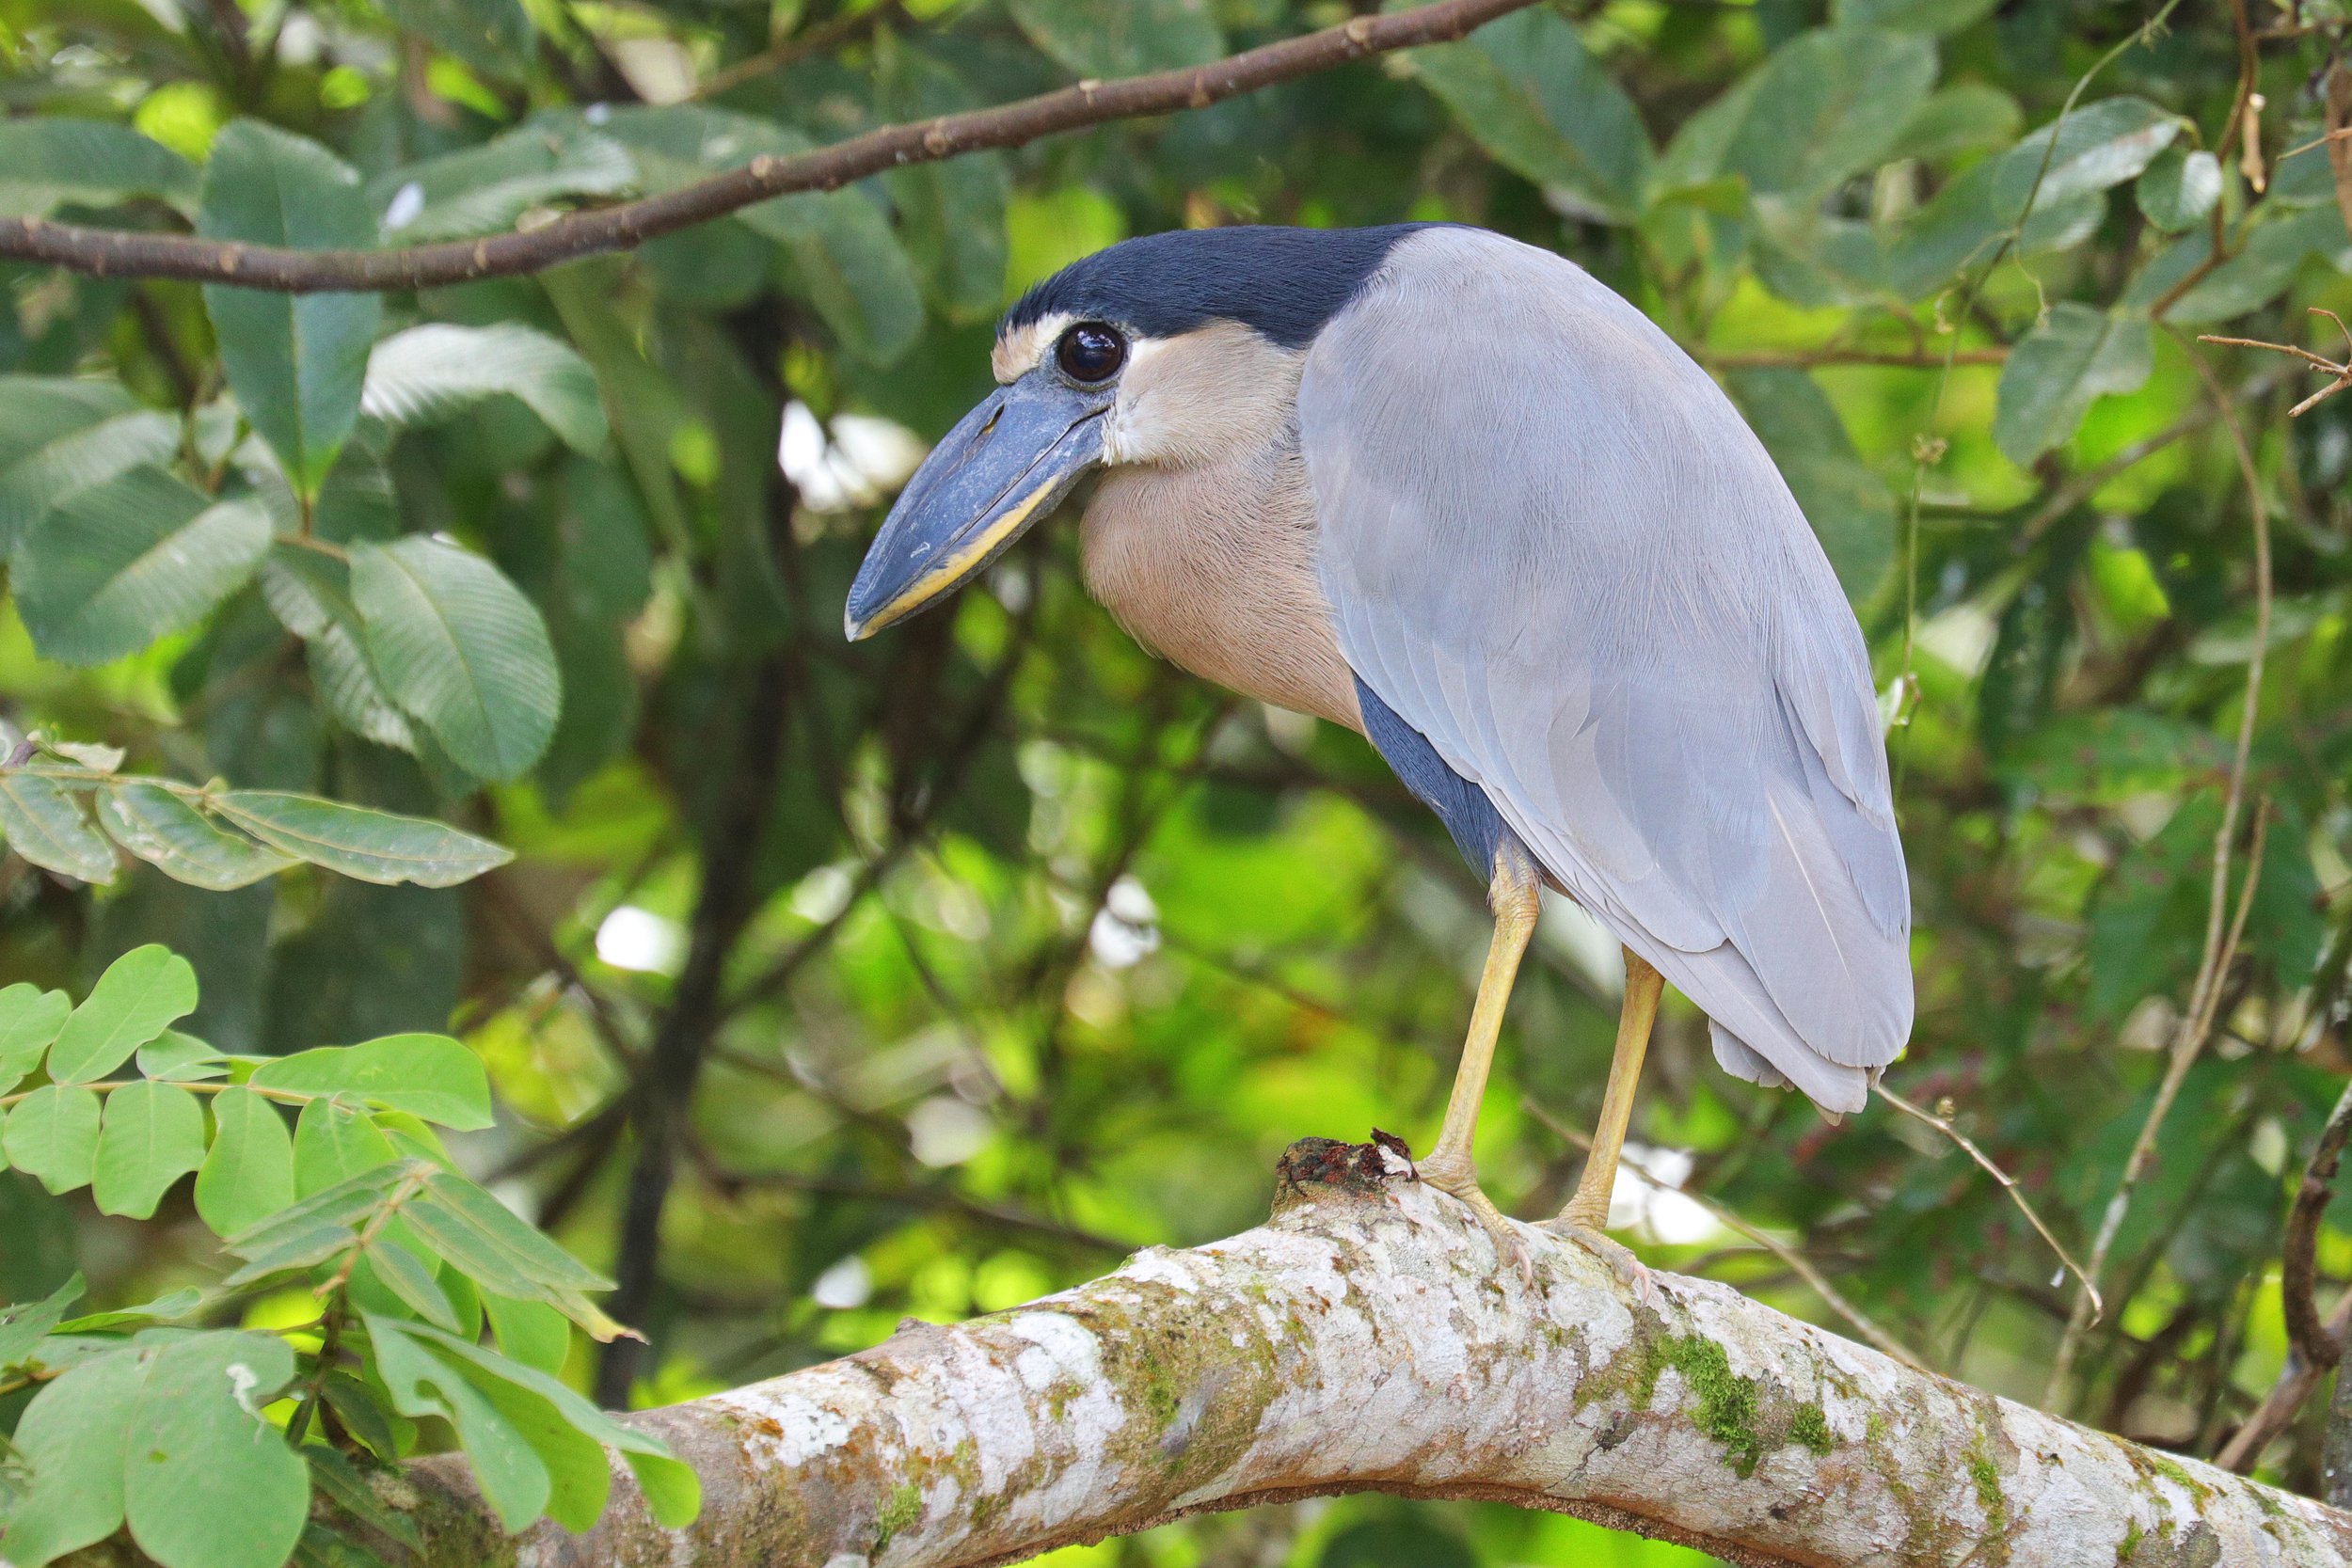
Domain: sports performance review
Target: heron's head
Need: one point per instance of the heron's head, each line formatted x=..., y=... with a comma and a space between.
x=1167, y=350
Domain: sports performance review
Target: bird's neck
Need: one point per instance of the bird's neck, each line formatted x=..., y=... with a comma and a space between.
x=1211, y=565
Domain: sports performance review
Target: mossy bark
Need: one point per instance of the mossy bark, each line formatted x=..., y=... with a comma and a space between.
x=1365, y=1339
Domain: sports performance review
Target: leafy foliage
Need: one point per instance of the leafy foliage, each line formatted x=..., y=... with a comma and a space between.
x=823, y=985
x=360, y=1213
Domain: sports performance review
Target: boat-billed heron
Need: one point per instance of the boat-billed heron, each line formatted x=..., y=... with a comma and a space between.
x=1449, y=490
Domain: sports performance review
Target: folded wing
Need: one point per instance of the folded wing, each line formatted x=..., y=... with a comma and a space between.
x=1553, y=547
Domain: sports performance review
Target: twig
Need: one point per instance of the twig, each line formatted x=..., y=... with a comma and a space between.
x=2305, y=1331
x=2009, y=1185
x=839, y=29
x=1799, y=1264
x=2204, y=993
x=1805, y=358
x=2296, y=1380
x=2342, y=372
x=112, y=253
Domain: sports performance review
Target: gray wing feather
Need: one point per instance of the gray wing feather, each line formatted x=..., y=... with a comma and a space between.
x=1553, y=547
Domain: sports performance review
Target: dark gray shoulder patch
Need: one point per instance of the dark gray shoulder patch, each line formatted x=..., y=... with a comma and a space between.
x=1477, y=827
x=1286, y=283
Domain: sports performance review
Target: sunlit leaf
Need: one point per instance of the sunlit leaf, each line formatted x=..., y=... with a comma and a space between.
x=513, y=1478
x=174, y=1057
x=152, y=1135
x=51, y=1135
x=334, y=1141
x=247, y=1174
x=430, y=1076
x=209, y=1483
x=141, y=995
x=74, y=1439
x=29, y=1020
x=412, y=1282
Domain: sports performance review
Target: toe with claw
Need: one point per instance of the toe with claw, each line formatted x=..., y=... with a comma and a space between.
x=1631, y=1271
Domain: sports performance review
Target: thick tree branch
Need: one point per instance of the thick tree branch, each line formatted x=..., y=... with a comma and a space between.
x=113, y=253
x=1366, y=1340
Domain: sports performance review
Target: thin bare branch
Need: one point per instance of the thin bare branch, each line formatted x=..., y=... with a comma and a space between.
x=116, y=253
x=2296, y=1380
x=2311, y=1339
x=2342, y=372
x=2009, y=1185
x=2220, y=945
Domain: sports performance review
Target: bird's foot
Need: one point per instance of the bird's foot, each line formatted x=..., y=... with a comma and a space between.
x=1631, y=1271
x=1455, y=1176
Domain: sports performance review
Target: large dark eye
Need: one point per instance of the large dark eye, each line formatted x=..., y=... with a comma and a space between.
x=1091, y=352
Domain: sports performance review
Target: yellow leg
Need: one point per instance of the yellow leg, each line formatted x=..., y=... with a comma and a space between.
x=1589, y=1209
x=1516, y=899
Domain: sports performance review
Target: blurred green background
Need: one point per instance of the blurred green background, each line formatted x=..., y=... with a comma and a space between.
x=833, y=985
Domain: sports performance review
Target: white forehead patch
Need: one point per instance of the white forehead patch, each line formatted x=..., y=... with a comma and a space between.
x=1018, y=351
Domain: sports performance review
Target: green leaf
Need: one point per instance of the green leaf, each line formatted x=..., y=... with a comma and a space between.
x=671, y=1488
x=1851, y=508
x=247, y=1175
x=74, y=1439
x=2178, y=189
x=410, y=1279
x=1527, y=91
x=1912, y=16
x=294, y=361
x=429, y=374
x=371, y=845
x=29, y=1020
x=41, y=822
x=844, y=259
x=113, y=567
x=47, y=161
x=1963, y=116
x=1824, y=106
x=52, y=1136
x=24, y=1327
x=1089, y=39
x=310, y=593
x=513, y=1478
x=153, y=1135
x=346, y=1203
x=430, y=1076
x=477, y=1234
x=2098, y=146
x=294, y=1251
x=161, y=828
x=68, y=460
x=2272, y=254
x=209, y=1483
x=174, y=1057
x=339, y=1478
x=170, y=1306
x=141, y=995
x=2053, y=376
x=333, y=1143
x=483, y=189
x=489, y=35
x=530, y=1332
x=461, y=649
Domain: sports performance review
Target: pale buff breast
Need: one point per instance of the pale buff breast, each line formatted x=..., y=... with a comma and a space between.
x=1212, y=567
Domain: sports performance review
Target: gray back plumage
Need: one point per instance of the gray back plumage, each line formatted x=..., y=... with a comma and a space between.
x=1553, y=547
